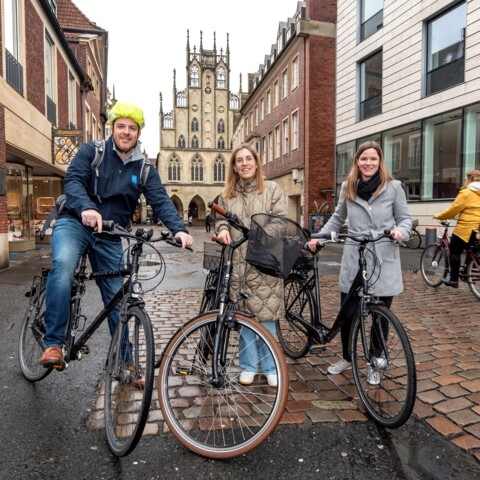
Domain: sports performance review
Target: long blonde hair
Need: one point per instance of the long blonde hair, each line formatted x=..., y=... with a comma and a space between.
x=232, y=175
x=354, y=175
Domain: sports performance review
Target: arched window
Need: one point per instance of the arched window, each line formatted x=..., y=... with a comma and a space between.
x=174, y=169
x=197, y=169
x=194, y=76
x=221, y=126
x=219, y=169
x=195, y=125
x=221, y=82
x=195, y=142
x=181, y=141
x=221, y=144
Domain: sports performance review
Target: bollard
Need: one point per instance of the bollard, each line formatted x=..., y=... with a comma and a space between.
x=430, y=235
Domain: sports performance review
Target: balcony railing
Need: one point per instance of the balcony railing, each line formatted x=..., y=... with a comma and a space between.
x=14, y=72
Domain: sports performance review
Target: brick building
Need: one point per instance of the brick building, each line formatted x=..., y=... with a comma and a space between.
x=289, y=115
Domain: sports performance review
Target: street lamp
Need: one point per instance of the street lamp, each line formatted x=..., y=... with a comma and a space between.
x=295, y=177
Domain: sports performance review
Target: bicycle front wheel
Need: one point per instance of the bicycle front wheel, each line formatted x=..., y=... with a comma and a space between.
x=433, y=265
x=383, y=366
x=129, y=381
x=414, y=241
x=226, y=420
x=292, y=334
x=31, y=345
x=473, y=277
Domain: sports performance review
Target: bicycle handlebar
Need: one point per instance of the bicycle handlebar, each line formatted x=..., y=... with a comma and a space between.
x=231, y=217
x=339, y=237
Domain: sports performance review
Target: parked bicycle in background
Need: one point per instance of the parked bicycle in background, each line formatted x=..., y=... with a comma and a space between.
x=415, y=239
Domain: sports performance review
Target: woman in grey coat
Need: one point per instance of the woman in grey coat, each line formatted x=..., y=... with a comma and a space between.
x=372, y=202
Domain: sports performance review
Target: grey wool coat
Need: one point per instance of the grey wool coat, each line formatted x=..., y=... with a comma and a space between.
x=387, y=210
x=265, y=293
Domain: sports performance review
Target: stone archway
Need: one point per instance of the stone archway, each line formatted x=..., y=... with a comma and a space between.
x=196, y=209
x=178, y=205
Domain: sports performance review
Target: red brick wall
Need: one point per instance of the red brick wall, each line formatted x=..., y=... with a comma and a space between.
x=322, y=10
x=35, y=69
x=62, y=91
x=3, y=164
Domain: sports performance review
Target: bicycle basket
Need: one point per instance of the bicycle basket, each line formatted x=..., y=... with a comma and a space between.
x=212, y=254
x=274, y=244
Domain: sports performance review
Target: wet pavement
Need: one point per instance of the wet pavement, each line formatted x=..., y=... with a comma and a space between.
x=442, y=326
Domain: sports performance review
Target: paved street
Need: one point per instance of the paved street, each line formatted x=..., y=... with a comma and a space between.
x=445, y=337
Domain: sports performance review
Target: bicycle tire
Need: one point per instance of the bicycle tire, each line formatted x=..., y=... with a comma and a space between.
x=31, y=345
x=126, y=402
x=473, y=277
x=292, y=335
x=210, y=292
x=414, y=241
x=390, y=402
x=218, y=422
x=433, y=265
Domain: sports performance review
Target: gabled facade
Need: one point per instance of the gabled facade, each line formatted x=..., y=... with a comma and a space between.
x=196, y=135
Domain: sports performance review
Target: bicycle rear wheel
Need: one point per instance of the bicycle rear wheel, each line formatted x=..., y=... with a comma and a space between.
x=224, y=421
x=433, y=265
x=31, y=344
x=387, y=383
x=292, y=335
x=414, y=241
x=473, y=277
x=129, y=381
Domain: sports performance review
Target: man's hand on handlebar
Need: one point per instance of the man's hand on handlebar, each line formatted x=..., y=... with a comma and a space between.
x=185, y=238
x=224, y=237
x=92, y=218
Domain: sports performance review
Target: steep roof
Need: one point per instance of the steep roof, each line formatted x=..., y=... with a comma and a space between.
x=69, y=15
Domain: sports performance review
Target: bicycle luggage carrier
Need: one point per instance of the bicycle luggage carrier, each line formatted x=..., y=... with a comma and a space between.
x=212, y=254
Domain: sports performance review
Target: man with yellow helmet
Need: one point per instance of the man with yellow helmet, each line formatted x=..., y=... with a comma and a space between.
x=111, y=192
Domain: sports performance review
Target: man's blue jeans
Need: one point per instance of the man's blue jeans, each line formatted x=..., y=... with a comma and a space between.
x=254, y=354
x=70, y=239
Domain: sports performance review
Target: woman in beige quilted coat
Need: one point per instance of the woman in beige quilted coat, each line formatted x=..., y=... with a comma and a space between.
x=247, y=193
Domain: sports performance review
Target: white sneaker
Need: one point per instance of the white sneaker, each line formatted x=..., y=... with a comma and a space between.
x=373, y=377
x=246, y=377
x=272, y=379
x=339, y=367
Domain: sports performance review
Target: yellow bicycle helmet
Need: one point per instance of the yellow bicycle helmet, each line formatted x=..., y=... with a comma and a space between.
x=126, y=110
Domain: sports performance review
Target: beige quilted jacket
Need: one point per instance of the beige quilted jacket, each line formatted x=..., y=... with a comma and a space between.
x=265, y=293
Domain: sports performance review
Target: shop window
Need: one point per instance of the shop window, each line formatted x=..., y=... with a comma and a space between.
x=19, y=208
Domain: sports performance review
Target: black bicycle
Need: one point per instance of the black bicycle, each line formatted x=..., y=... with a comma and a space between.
x=213, y=261
x=202, y=400
x=130, y=359
x=382, y=358
x=414, y=239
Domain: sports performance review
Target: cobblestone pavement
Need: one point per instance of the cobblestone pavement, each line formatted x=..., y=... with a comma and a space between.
x=442, y=325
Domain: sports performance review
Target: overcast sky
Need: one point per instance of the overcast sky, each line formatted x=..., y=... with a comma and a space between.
x=147, y=40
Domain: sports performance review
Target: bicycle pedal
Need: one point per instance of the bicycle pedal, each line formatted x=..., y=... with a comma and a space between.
x=58, y=368
x=317, y=349
x=85, y=350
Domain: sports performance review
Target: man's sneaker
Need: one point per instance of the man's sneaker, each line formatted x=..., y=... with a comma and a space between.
x=339, y=367
x=272, y=379
x=380, y=363
x=52, y=357
x=130, y=378
x=373, y=377
x=246, y=377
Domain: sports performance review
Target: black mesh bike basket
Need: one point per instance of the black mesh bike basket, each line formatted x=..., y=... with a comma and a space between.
x=212, y=254
x=274, y=244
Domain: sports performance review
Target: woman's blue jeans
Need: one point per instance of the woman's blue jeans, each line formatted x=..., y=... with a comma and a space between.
x=70, y=239
x=254, y=354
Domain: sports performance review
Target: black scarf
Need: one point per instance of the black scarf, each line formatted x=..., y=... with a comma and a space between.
x=366, y=189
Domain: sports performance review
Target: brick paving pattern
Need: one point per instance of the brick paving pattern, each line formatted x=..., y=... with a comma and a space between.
x=442, y=325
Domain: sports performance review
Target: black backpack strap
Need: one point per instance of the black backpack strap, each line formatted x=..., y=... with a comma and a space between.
x=144, y=171
x=59, y=204
x=97, y=161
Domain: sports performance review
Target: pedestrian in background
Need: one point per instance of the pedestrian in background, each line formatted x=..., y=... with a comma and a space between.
x=208, y=222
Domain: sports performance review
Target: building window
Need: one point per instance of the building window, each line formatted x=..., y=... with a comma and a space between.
x=72, y=101
x=446, y=49
x=295, y=132
x=276, y=94
x=371, y=86
x=285, y=84
x=295, y=73
x=181, y=141
x=264, y=150
x=195, y=125
x=49, y=80
x=286, y=136
x=174, y=169
x=395, y=155
x=221, y=82
x=269, y=102
x=414, y=151
x=277, y=142
x=195, y=142
x=219, y=169
x=256, y=115
x=262, y=110
x=221, y=143
x=270, y=147
x=371, y=17
x=345, y=156
x=221, y=126
x=194, y=82
x=14, y=69
x=197, y=169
